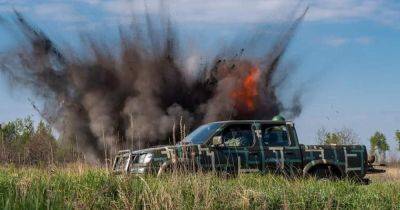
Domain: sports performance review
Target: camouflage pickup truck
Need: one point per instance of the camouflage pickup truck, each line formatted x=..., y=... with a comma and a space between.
x=233, y=147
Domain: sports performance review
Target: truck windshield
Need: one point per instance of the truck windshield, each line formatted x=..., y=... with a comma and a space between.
x=201, y=134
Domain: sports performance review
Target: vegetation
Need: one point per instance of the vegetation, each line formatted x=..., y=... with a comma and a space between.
x=86, y=187
x=339, y=137
x=378, y=142
x=78, y=186
x=379, y=145
x=23, y=144
x=397, y=136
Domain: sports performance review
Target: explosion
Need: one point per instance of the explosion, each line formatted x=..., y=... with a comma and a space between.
x=246, y=92
x=103, y=99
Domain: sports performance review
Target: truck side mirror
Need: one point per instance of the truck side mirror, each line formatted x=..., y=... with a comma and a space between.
x=216, y=140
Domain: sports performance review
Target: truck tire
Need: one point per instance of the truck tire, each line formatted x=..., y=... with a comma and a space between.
x=227, y=173
x=325, y=172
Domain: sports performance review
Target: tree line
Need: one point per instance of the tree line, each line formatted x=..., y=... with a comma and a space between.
x=22, y=143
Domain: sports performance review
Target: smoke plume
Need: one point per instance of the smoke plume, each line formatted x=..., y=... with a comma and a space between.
x=110, y=99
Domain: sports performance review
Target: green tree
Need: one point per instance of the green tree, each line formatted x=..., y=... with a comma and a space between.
x=397, y=136
x=42, y=145
x=379, y=145
x=21, y=143
x=14, y=137
x=18, y=131
x=339, y=137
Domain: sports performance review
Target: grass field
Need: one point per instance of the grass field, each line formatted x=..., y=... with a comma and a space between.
x=84, y=187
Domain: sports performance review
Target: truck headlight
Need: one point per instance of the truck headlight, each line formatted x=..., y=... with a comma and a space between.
x=145, y=158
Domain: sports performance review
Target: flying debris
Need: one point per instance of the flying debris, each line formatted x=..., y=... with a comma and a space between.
x=107, y=99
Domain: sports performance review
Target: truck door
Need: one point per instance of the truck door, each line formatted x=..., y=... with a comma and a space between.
x=282, y=153
x=237, y=152
x=293, y=152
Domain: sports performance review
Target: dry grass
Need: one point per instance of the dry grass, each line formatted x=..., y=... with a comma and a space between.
x=79, y=186
x=392, y=174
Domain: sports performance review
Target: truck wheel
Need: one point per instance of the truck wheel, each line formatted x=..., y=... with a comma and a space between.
x=324, y=173
x=227, y=173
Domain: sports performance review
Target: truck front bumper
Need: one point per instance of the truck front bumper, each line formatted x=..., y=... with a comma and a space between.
x=140, y=168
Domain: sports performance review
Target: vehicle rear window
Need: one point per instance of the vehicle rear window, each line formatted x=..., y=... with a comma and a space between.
x=275, y=136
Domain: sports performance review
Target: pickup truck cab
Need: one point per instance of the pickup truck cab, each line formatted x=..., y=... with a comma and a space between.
x=232, y=147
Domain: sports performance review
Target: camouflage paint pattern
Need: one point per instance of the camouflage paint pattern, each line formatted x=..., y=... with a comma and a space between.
x=295, y=159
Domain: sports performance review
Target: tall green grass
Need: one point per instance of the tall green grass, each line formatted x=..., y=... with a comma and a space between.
x=94, y=188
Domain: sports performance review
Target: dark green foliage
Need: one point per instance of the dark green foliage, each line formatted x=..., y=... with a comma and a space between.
x=21, y=143
x=378, y=142
x=379, y=145
x=397, y=135
x=14, y=137
x=18, y=131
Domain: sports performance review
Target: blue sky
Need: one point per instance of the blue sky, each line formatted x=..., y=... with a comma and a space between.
x=347, y=51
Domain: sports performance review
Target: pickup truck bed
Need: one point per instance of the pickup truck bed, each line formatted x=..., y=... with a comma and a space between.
x=350, y=160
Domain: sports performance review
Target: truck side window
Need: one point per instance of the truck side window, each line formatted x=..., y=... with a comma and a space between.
x=120, y=162
x=275, y=136
x=237, y=136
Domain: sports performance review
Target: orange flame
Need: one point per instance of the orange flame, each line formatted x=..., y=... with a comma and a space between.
x=244, y=95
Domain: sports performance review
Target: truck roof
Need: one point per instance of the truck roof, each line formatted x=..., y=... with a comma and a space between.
x=254, y=121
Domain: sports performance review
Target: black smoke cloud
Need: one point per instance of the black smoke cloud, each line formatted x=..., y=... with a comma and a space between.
x=110, y=99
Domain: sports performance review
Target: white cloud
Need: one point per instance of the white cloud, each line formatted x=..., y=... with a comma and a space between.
x=91, y=2
x=222, y=11
x=9, y=8
x=363, y=40
x=57, y=12
x=337, y=41
x=342, y=9
x=244, y=11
